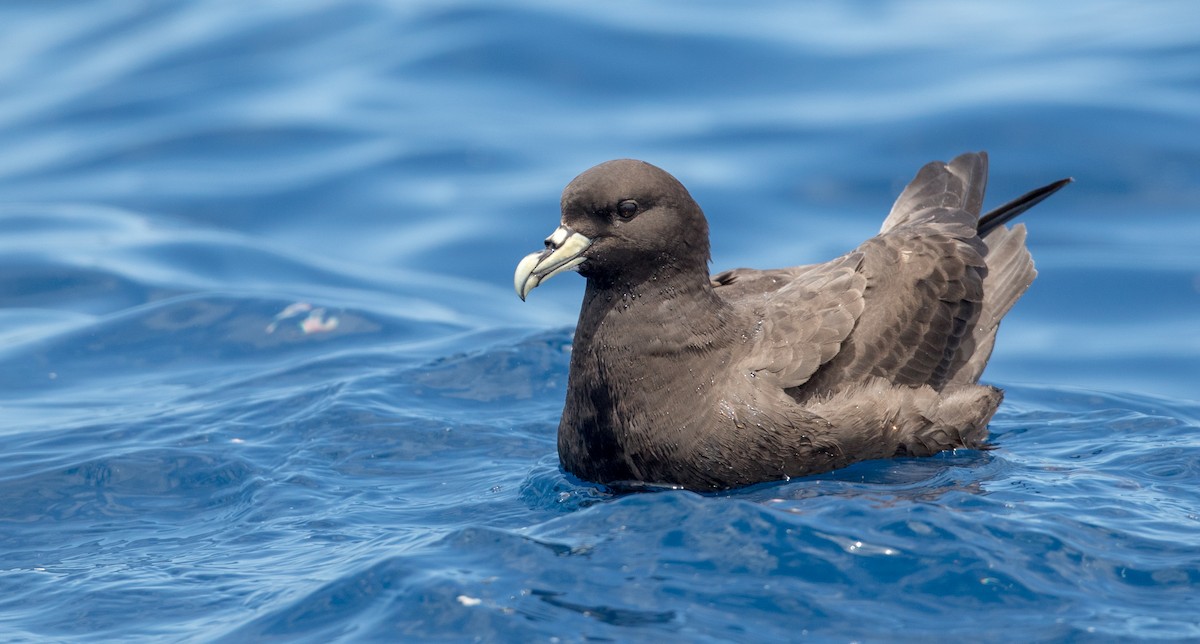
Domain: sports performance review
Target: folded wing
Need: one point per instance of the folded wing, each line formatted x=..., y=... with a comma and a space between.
x=801, y=315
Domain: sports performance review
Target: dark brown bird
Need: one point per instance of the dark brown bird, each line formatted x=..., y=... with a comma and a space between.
x=685, y=380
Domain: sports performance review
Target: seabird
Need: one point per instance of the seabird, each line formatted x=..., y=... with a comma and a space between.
x=687, y=380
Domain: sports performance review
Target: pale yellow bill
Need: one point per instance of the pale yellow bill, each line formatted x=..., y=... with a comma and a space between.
x=563, y=255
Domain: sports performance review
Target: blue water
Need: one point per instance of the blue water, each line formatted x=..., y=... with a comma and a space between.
x=263, y=375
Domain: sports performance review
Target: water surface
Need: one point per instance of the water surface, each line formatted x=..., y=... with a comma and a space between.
x=262, y=374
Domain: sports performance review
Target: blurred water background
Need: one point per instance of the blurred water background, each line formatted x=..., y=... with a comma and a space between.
x=263, y=375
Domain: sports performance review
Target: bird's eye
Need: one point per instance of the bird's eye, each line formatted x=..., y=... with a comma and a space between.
x=627, y=209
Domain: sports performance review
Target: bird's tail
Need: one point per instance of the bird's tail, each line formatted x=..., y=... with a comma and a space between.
x=1009, y=211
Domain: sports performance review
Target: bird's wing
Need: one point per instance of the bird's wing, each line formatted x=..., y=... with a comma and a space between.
x=799, y=316
x=742, y=282
x=923, y=296
x=1010, y=271
x=903, y=306
x=958, y=185
x=924, y=284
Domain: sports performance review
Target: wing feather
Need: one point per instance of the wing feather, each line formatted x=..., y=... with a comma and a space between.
x=908, y=305
x=958, y=185
x=801, y=315
x=924, y=285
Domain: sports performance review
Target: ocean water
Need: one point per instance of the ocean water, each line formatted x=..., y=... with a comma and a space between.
x=263, y=376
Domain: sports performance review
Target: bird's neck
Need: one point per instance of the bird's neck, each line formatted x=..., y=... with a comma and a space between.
x=662, y=314
x=638, y=342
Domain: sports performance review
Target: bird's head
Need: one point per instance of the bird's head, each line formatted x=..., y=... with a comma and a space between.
x=623, y=221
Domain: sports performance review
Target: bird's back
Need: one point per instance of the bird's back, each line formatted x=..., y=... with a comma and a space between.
x=934, y=291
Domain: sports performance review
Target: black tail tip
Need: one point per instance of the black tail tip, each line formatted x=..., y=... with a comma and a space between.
x=1012, y=209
